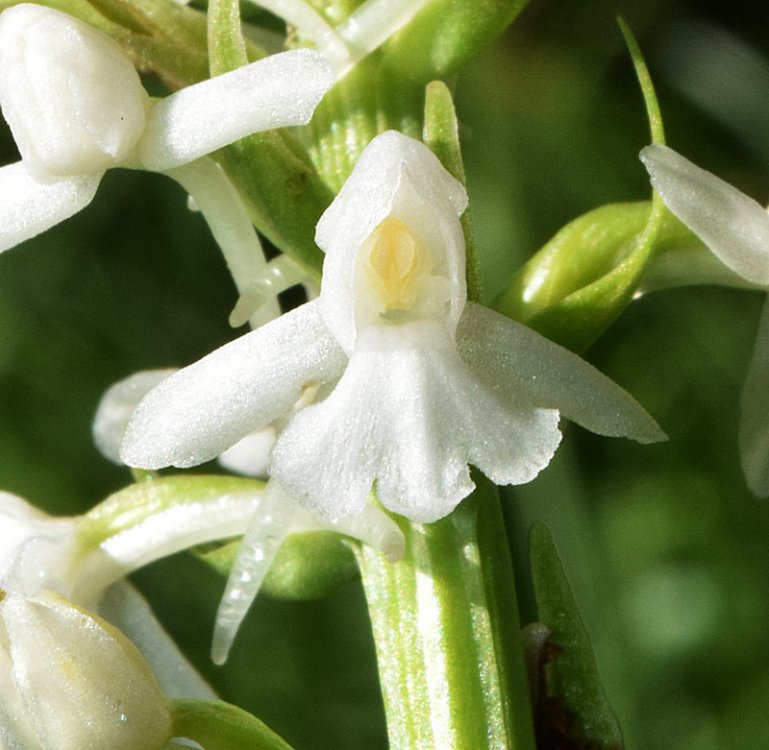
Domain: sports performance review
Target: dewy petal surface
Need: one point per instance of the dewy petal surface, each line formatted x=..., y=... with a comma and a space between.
x=732, y=225
x=400, y=177
x=277, y=91
x=29, y=207
x=408, y=414
x=754, y=416
x=518, y=363
x=202, y=410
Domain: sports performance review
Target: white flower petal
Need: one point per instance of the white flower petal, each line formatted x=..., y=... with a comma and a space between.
x=72, y=97
x=199, y=412
x=754, y=413
x=29, y=207
x=277, y=91
x=116, y=407
x=251, y=455
x=732, y=225
x=128, y=610
x=517, y=363
x=400, y=177
x=83, y=684
x=408, y=414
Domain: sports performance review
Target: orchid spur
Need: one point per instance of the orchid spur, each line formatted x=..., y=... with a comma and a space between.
x=416, y=382
x=76, y=107
x=736, y=229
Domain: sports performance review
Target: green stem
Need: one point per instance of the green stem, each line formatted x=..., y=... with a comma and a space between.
x=447, y=634
x=222, y=726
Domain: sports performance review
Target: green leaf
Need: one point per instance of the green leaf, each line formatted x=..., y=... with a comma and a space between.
x=441, y=134
x=446, y=34
x=308, y=565
x=221, y=726
x=573, y=711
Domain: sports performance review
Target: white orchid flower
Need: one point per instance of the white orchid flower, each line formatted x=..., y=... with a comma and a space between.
x=76, y=107
x=420, y=382
x=70, y=681
x=275, y=515
x=736, y=229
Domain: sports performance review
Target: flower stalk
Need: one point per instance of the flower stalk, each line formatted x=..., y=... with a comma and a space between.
x=446, y=628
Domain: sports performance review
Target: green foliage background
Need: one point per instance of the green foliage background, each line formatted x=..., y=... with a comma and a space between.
x=665, y=548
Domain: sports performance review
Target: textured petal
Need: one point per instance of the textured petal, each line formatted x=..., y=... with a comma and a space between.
x=408, y=414
x=251, y=455
x=116, y=407
x=202, y=410
x=280, y=90
x=731, y=224
x=754, y=417
x=124, y=607
x=72, y=97
x=518, y=363
x=83, y=683
x=400, y=177
x=28, y=207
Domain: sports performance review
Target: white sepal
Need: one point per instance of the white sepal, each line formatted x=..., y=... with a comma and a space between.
x=81, y=683
x=73, y=99
x=520, y=365
x=116, y=407
x=408, y=415
x=202, y=410
x=732, y=225
x=399, y=177
x=275, y=92
x=29, y=206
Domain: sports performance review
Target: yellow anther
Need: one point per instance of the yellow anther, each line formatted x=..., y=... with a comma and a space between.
x=397, y=260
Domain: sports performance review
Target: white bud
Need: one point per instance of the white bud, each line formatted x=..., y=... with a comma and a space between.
x=70, y=681
x=71, y=96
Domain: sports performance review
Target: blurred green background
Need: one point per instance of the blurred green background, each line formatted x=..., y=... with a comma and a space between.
x=666, y=550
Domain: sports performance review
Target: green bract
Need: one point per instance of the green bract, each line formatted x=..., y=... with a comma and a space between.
x=446, y=34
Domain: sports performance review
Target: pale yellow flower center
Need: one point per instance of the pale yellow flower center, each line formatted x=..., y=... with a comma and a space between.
x=398, y=262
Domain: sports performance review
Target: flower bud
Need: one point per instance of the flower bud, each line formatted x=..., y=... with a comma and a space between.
x=71, y=96
x=70, y=681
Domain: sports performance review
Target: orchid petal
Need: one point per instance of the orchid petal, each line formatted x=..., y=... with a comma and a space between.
x=116, y=407
x=277, y=91
x=196, y=414
x=399, y=177
x=754, y=416
x=82, y=682
x=128, y=610
x=29, y=207
x=408, y=415
x=732, y=225
x=251, y=455
x=73, y=100
x=517, y=363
